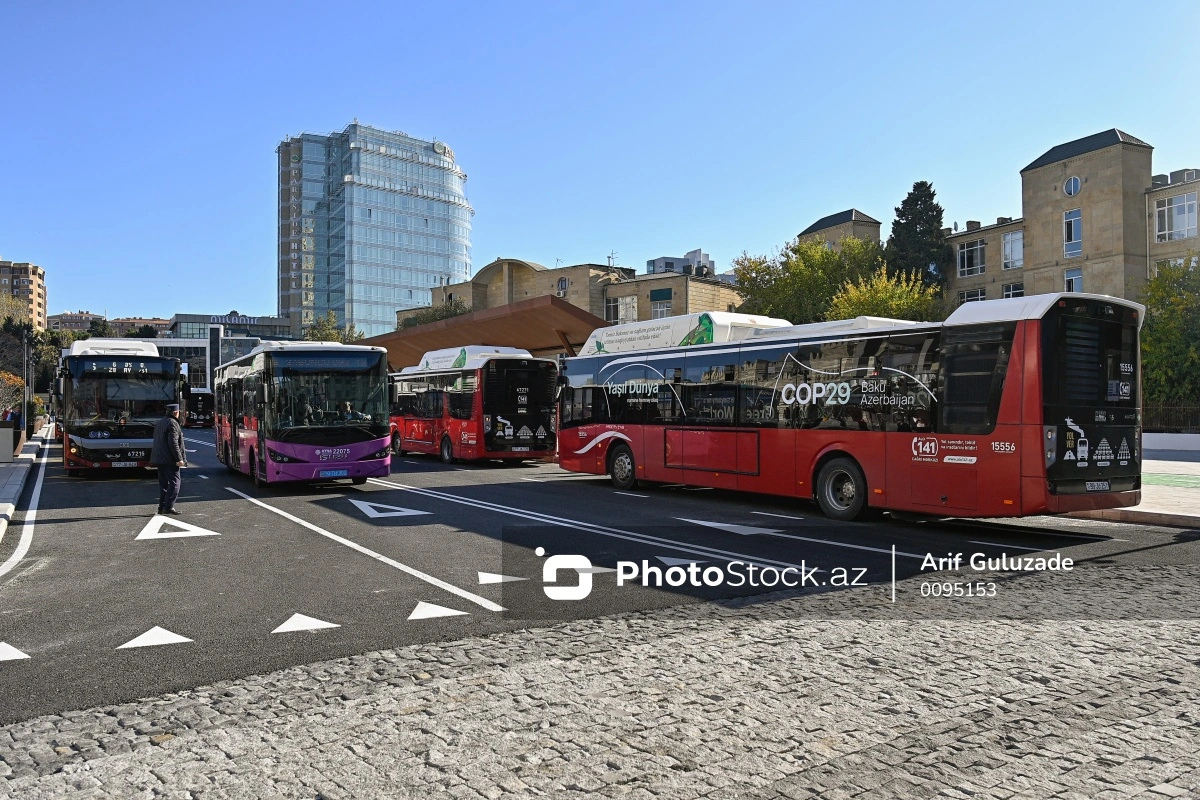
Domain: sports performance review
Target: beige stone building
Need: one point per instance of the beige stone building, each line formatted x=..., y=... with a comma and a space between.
x=79, y=321
x=615, y=294
x=1094, y=219
x=26, y=282
x=123, y=325
x=835, y=227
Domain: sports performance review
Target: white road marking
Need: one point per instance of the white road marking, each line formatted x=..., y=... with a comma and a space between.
x=678, y=562
x=198, y=441
x=300, y=622
x=595, y=570
x=429, y=611
x=379, y=510
x=154, y=637
x=31, y=515
x=10, y=653
x=416, y=573
x=533, y=480
x=615, y=533
x=406, y=461
x=1010, y=546
x=629, y=494
x=492, y=577
x=154, y=529
x=461, y=469
x=202, y=477
x=781, y=516
x=844, y=544
x=744, y=530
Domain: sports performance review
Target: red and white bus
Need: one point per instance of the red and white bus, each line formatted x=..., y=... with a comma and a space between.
x=1008, y=408
x=304, y=411
x=475, y=402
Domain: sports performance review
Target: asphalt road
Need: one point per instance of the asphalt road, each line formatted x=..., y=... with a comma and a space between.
x=416, y=558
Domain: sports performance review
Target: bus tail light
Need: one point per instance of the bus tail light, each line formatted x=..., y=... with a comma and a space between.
x=1050, y=442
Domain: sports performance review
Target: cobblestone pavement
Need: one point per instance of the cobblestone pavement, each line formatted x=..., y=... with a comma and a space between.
x=781, y=699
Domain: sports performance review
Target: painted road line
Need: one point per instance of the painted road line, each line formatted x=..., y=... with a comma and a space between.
x=741, y=530
x=202, y=477
x=416, y=573
x=198, y=441
x=630, y=494
x=30, y=515
x=781, y=516
x=1010, y=546
x=379, y=510
x=843, y=544
x=615, y=533
x=533, y=480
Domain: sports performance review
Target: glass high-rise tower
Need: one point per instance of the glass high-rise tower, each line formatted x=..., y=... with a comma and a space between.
x=369, y=222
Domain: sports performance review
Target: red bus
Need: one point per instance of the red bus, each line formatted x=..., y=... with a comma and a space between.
x=1008, y=408
x=475, y=402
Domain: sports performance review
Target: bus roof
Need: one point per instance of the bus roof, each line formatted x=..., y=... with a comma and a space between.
x=472, y=356
x=113, y=347
x=1033, y=306
x=707, y=327
x=302, y=347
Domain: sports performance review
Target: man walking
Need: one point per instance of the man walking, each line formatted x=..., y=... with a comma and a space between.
x=168, y=455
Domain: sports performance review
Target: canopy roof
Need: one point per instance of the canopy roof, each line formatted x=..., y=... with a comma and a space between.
x=545, y=326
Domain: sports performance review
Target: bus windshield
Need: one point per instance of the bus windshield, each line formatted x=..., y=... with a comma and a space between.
x=313, y=393
x=105, y=395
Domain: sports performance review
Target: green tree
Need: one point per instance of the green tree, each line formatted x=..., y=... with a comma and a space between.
x=326, y=329
x=800, y=282
x=451, y=308
x=146, y=331
x=100, y=328
x=1171, y=333
x=917, y=245
x=898, y=296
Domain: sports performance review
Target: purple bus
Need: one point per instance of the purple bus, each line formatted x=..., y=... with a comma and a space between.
x=305, y=411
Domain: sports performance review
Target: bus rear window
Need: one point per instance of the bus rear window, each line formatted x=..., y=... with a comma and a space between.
x=1089, y=356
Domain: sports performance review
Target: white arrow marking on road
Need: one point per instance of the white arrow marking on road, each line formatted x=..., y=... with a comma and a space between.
x=154, y=529
x=596, y=570
x=372, y=510
x=678, y=562
x=429, y=611
x=492, y=577
x=300, y=622
x=744, y=530
x=155, y=636
x=10, y=653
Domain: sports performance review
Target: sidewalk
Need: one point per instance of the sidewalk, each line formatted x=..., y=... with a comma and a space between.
x=12, y=477
x=1170, y=492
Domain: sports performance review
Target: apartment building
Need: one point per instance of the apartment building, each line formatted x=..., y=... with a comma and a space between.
x=27, y=283
x=123, y=325
x=614, y=294
x=849, y=223
x=78, y=321
x=1095, y=218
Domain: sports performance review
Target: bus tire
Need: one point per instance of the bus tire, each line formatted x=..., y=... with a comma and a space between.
x=621, y=467
x=397, y=447
x=72, y=473
x=446, y=451
x=841, y=489
x=256, y=471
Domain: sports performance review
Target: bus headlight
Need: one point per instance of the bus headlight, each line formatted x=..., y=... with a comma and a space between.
x=74, y=449
x=487, y=424
x=384, y=453
x=280, y=458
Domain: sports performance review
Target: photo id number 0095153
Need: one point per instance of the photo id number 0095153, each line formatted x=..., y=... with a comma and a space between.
x=957, y=589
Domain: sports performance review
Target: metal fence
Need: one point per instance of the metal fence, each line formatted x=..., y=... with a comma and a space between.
x=1160, y=418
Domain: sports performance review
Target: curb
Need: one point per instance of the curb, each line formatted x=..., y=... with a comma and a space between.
x=25, y=461
x=1140, y=517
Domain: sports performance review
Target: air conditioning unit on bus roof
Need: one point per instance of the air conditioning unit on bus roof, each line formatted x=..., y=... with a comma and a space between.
x=113, y=347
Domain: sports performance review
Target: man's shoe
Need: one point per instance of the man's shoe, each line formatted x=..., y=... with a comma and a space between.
x=174, y=511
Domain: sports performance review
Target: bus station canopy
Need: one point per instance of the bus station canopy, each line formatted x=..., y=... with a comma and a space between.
x=545, y=326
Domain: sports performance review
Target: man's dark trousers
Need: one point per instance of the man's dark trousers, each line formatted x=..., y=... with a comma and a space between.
x=168, y=486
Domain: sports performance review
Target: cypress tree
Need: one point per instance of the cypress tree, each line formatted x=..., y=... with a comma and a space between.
x=917, y=246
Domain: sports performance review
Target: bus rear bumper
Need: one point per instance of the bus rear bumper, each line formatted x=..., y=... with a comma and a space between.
x=1065, y=504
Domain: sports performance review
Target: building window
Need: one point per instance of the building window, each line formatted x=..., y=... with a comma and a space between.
x=660, y=309
x=1073, y=233
x=562, y=287
x=669, y=266
x=972, y=295
x=1071, y=187
x=611, y=309
x=970, y=258
x=1014, y=290
x=1014, y=250
x=1073, y=280
x=619, y=310
x=1176, y=217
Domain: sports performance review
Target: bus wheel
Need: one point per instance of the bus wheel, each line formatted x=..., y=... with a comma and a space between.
x=447, y=451
x=358, y=481
x=841, y=489
x=256, y=470
x=397, y=448
x=621, y=467
x=72, y=473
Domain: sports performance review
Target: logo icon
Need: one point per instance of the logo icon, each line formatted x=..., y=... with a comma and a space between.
x=924, y=446
x=582, y=566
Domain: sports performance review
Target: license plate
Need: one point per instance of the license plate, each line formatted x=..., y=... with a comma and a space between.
x=520, y=449
x=124, y=463
x=335, y=473
x=1097, y=486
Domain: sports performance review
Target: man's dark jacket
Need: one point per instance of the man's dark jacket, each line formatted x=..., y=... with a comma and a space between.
x=168, y=442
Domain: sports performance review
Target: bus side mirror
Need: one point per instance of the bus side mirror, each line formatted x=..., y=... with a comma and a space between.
x=58, y=387
x=561, y=380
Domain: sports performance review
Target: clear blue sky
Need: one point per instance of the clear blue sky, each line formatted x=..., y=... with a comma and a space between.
x=137, y=140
